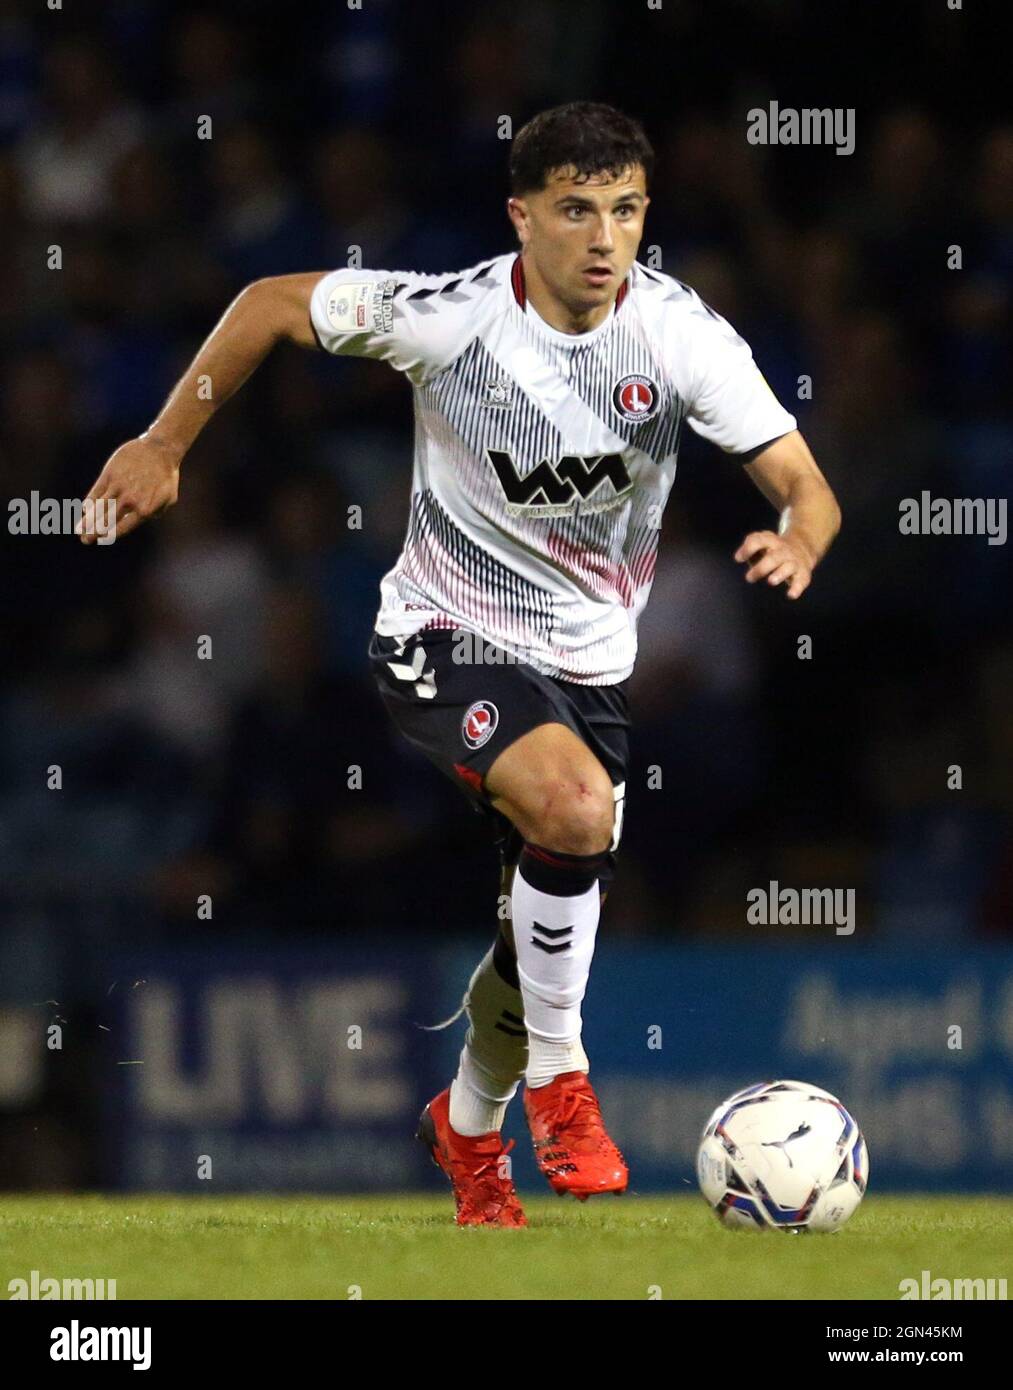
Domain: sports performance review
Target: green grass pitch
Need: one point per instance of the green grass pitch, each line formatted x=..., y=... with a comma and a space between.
x=408, y=1248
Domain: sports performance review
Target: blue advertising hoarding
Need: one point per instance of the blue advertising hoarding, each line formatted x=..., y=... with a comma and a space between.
x=288, y=1069
x=305, y=1070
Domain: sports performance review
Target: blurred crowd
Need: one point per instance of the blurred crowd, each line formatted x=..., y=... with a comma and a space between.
x=123, y=235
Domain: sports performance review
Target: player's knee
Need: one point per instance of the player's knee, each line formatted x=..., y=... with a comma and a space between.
x=574, y=816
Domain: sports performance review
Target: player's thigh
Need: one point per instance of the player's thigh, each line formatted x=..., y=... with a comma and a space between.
x=554, y=790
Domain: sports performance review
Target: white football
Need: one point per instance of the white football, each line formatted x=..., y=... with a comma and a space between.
x=784, y=1156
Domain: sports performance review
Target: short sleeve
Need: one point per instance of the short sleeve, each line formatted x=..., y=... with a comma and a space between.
x=386, y=315
x=730, y=403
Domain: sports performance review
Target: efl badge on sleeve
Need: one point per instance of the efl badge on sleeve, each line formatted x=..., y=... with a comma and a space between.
x=361, y=306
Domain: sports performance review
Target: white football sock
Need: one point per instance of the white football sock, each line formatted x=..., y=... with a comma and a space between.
x=554, y=935
x=494, y=1054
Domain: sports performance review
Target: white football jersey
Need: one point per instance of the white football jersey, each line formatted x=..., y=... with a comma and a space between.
x=543, y=459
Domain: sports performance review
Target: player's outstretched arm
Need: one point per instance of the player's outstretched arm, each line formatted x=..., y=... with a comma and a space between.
x=142, y=476
x=788, y=476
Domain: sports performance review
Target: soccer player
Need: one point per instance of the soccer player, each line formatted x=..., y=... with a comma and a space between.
x=550, y=388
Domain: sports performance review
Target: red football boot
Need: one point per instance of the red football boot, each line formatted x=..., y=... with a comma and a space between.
x=572, y=1147
x=483, y=1196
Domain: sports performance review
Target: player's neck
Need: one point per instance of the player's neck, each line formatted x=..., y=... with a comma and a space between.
x=554, y=312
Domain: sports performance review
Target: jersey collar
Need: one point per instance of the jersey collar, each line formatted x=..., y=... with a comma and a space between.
x=521, y=294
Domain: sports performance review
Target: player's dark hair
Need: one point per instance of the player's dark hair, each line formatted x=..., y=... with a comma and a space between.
x=587, y=136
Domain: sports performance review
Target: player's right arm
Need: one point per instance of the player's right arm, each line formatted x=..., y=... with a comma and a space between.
x=416, y=323
x=142, y=476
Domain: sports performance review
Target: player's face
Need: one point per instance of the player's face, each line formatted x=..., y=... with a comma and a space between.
x=580, y=237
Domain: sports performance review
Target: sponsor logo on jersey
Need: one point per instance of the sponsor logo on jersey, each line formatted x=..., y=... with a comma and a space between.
x=564, y=488
x=479, y=723
x=498, y=394
x=636, y=397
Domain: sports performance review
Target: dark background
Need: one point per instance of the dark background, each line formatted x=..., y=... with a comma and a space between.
x=377, y=128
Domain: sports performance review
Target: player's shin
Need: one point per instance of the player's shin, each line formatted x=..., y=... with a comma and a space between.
x=495, y=1049
x=555, y=908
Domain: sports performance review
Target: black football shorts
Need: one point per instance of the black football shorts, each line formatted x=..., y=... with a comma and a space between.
x=461, y=701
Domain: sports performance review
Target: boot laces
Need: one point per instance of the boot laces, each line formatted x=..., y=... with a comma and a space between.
x=493, y=1162
x=492, y=1191
x=578, y=1116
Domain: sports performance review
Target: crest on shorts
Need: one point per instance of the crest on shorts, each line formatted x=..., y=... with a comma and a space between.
x=479, y=723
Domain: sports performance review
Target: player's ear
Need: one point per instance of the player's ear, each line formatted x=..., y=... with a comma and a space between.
x=517, y=211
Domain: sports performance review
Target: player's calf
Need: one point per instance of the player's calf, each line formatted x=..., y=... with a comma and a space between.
x=495, y=1051
x=560, y=798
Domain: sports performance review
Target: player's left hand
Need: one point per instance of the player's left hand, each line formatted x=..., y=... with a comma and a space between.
x=778, y=559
